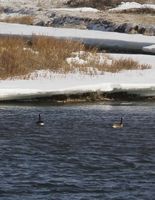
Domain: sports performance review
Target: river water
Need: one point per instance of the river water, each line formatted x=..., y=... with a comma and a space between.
x=77, y=154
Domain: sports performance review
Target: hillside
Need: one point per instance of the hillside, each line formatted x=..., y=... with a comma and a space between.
x=58, y=14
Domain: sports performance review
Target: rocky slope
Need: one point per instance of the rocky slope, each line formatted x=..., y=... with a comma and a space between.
x=96, y=21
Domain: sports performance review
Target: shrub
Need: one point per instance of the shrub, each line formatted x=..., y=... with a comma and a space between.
x=21, y=57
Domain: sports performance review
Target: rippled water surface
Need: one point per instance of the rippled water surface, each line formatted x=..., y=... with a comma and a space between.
x=77, y=155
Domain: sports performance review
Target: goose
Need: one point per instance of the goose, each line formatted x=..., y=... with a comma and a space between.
x=118, y=125
x=40, y=122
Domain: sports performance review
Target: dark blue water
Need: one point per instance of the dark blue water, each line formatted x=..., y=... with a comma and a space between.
x=77, y=155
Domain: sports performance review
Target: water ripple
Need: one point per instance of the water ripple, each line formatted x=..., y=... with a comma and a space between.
x=77, y=155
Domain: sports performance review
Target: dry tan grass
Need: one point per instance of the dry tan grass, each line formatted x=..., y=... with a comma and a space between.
x=126, y=64
x=19, y=57
x=13, y=59
x=132, y=18
x=145, y=1
x=121, y=64
x=93, y=64
x=20, y=20
x=1, y=9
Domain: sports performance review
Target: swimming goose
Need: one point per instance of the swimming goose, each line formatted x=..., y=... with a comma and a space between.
x=118, y=125
x=40, y=122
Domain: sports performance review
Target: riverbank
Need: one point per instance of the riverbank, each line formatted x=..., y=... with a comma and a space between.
x=80, y=98
x=43, y=84
x=48, y=87
x=94, y=84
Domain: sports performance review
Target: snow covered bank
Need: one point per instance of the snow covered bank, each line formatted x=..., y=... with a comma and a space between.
x=47, y=84
x=110, y=40
x=72, y=85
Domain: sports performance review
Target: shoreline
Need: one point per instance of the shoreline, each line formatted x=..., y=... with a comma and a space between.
x=81, y=98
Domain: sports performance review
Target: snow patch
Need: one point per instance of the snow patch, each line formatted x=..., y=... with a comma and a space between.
x=132, y=5
x=82, y=9
x=150, y=49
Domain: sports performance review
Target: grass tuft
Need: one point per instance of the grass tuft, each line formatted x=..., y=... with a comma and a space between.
x=96, y=63
x=21, y=57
